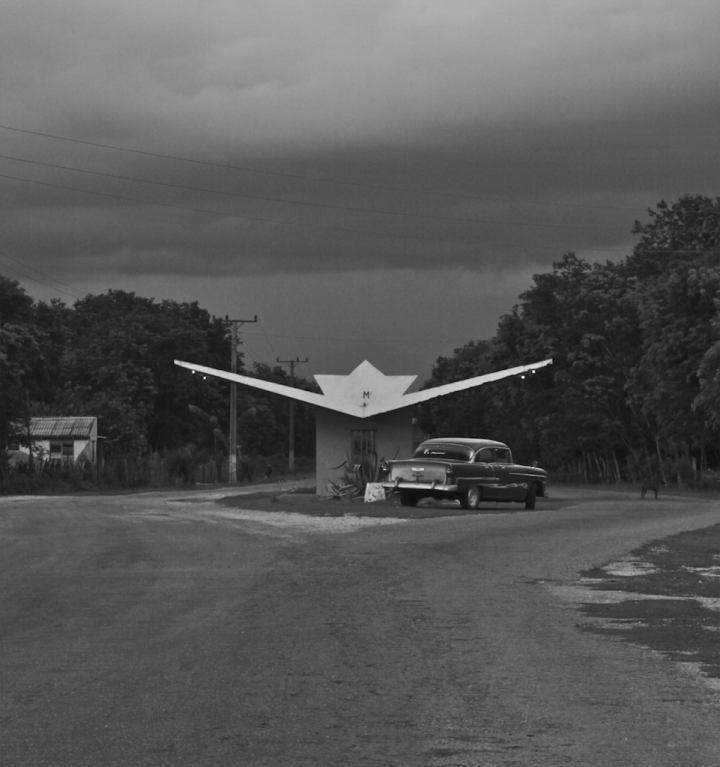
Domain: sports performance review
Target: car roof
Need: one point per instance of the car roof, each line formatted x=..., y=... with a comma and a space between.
x=474, y=444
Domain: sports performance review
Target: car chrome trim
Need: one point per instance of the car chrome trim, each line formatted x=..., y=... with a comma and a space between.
x=430, y=486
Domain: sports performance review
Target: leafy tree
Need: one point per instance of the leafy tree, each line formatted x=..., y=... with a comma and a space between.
x=463, y=414
x=707, y=402
x=581, y=315
x=677, y=330
x=119, y=365
x=112, y=356
x=52, y=323
x=15, y=305
x=18, y=355
x=676, y=263
x=264, y=431
x=676, y=231
x=635, y=346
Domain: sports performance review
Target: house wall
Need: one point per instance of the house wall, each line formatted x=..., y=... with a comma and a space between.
x=81, y=447
x=89, y=452
x=86, y=449
x=393, y=439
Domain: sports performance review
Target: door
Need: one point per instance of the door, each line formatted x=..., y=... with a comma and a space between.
x=509, y=486
x=484, y=469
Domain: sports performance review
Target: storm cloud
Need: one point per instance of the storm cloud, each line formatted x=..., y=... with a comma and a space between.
x=313, y=159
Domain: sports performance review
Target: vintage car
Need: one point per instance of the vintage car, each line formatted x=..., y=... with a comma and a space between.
x=467, y=470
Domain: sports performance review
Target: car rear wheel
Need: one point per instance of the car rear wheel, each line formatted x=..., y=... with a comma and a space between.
x=408, y=498
x=470, y=499
x=530, y=497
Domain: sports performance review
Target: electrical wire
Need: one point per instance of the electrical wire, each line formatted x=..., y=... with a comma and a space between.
x=47, y=276
x=303, y=177
x=285, y=201
x=267, y=339
x=284, y=222
x=346, y=340
x=250, y=351
x=300, y=224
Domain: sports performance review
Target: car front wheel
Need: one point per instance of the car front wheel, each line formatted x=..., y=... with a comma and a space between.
x=470, y=499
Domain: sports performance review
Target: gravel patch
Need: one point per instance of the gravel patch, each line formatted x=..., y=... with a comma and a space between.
x=306, y=522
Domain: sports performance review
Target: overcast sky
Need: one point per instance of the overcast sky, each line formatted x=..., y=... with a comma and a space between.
x=374, y=179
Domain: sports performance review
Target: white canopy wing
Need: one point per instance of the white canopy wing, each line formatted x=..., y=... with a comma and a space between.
x=366, y=391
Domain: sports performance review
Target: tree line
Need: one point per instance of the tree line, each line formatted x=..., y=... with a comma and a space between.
x=634, y=389
x=112, y=356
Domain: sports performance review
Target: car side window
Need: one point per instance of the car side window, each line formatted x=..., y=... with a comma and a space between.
x=502, y=455
x=484, y=456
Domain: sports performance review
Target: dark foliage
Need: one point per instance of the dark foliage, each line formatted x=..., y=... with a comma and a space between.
x=634, y=388
x=112, y=356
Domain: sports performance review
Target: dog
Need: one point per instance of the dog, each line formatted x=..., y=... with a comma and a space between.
x=649, y=485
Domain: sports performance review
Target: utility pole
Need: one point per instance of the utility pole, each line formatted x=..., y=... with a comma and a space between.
x=291, y=411
x=31, y=465
x=232, y=431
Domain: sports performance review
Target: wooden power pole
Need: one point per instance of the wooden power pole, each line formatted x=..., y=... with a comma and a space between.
x=291, y=411
x=232, y=431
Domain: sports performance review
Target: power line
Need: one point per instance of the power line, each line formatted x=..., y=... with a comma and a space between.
x=271, y=220
x=344, y=340
x=303, y=177
x=18, y=274
x=247, y=349
x=264, y=219
x=47, y=276
x=274, y=351
x=306, y=203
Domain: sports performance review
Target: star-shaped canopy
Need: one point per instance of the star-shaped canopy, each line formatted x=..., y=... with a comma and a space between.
x=366, y=391
x=365, y=388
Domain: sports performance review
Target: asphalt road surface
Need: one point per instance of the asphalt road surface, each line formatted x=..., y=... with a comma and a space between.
x=162, y=629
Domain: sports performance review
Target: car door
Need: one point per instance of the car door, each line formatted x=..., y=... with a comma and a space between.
x=484, y=469
x=510, y=488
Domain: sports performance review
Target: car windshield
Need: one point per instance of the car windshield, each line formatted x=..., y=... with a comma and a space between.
x=444, y=452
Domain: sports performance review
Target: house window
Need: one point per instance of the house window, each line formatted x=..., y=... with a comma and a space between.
x=362, y=445
x=62, y=451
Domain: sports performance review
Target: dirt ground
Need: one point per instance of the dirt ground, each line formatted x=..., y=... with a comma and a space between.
x=666, y=596
x=186, y=628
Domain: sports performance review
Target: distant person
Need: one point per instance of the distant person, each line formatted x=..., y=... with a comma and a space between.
x=268, y=472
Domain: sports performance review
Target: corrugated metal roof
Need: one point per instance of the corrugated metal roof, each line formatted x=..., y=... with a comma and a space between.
x=62, y=427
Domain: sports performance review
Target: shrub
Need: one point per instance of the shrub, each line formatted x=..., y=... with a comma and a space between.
x=181, y=466
x=356, y=477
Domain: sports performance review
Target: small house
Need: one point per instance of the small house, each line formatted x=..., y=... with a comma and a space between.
x=65, y=439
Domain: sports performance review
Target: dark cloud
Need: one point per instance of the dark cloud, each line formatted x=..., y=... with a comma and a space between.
x=456, y=147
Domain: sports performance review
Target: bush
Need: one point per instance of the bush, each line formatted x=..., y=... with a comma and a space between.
x=679, y=471
x=245, y=470
x=709, y=480
x=181, y=466
x=356, y=477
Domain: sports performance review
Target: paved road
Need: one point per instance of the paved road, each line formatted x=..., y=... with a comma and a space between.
x=140, y=630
